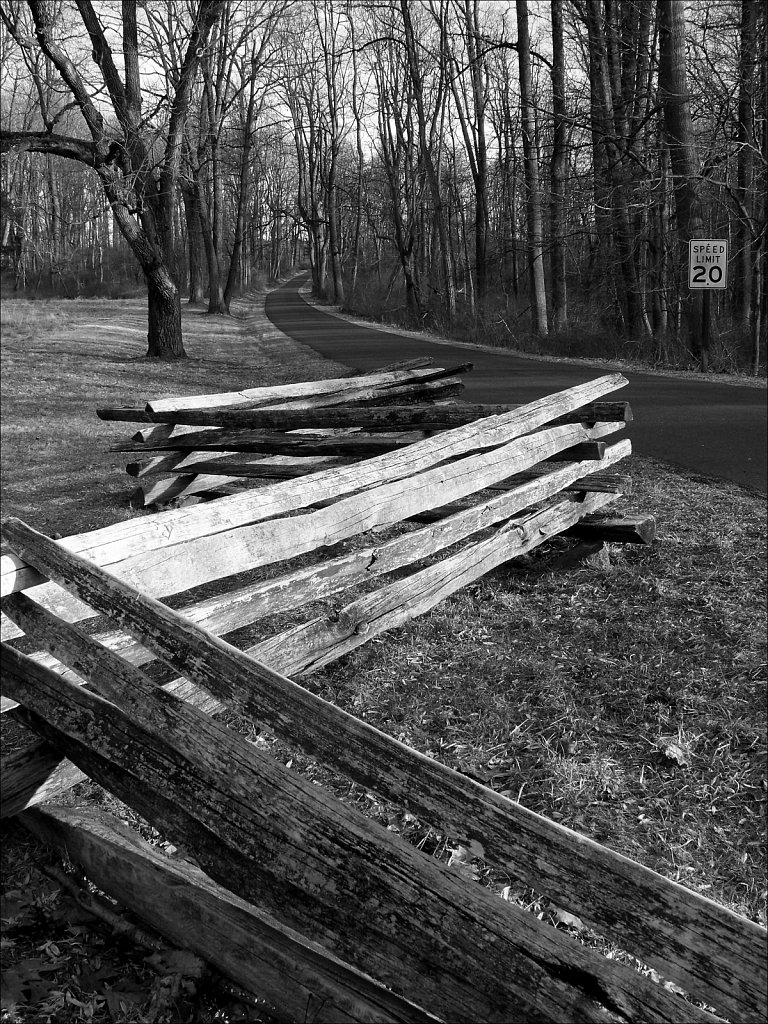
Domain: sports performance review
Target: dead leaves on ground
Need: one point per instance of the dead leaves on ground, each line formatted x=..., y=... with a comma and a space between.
x=61, y=963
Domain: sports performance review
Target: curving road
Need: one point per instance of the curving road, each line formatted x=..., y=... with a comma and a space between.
x=716, y=430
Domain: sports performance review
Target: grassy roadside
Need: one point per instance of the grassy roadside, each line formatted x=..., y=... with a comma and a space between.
x=62, y=359
x=628, y=703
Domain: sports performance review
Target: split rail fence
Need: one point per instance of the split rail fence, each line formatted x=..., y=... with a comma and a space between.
x=298, y=896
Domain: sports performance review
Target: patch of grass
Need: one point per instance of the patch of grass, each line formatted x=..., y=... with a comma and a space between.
x=627, y=703
x=63, y=359
x=59, y=361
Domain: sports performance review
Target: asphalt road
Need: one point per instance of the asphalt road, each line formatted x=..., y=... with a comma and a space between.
x=716, y=430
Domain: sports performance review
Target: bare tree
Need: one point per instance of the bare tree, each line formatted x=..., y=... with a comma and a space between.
x=558, y=171
x=535, y=242
x=684, y=160
x=139, y=178
x=398, y=149
x=469, y=86
x=745, y=226
x=429, y=119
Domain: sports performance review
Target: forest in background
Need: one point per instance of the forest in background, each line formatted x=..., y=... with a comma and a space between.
x=525, y=173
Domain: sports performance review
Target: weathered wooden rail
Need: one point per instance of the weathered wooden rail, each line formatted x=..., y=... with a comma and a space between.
x=206, y=446
x=207, y=462
x=332, y=912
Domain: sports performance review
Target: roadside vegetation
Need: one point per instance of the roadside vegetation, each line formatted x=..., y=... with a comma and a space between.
x=591, y=333
x=626, y=702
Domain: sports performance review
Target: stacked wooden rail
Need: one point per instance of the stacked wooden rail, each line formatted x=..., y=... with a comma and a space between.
x=297, y=895
x=210, y=445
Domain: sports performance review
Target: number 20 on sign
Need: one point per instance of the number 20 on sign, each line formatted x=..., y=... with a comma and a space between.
x=707, y=262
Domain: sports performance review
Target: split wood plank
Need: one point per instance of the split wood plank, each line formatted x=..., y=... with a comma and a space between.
x=319, y=866
x=381, y=418
x=167, y=428
x=163, y=463
x=34, y=773
x=279, y=444
x=277, y=466
x=691, y=940
x=413, y=546
x=116, y=543
x=205, y=476
x=162, y=431
x=314, y=391
x=234, y=609
x=196, y=562
x=183, y=485
x=251, y=948
x=432, y=391
x=582, y=450
x=616, y=482
x=217, y=478
x=311, y=645
x=416, y=363
x=269, y=468
x=625, y=530
x=360, y=396
x=598, y=430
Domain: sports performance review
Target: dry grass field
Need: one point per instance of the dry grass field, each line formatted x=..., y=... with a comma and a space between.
x=626, y=702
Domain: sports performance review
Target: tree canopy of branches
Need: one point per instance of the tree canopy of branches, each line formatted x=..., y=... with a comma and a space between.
x=138, y=168
x=533, y=170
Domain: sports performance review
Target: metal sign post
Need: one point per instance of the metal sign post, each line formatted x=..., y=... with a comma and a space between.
x=707, y=270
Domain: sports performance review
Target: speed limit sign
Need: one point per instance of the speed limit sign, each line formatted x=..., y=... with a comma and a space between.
x=707, y=262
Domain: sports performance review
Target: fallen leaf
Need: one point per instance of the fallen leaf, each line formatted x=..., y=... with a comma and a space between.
x=11, y=908
x=568, y=920
x=461, y=860
x=40, y=990
x=91, y=978
x=32, y=968
x=11, y=989
x=176, y=961
x=674, y=750
x=120, y=1000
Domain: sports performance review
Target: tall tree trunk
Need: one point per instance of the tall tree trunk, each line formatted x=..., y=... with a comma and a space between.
x=760, y=295
x=164, y=316
x=478, y=72
x=56, y=222
x=195, y=246
x=558, y=172
x=531, y=160
x=600, y=241
x=334, y=236
x=244, y=178
x=660, y=235
x=430, y=166
x=609, y=133
x=747, y=66
x=684, y=162
x=215, y=284
x=356, y=112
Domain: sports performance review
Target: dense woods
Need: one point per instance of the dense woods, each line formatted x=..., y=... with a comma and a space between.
x=520, y=173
